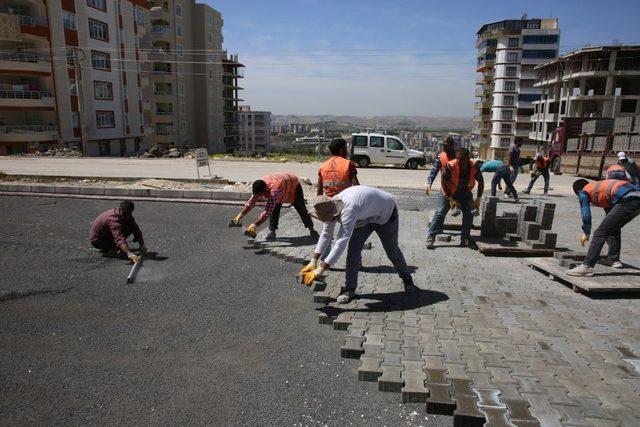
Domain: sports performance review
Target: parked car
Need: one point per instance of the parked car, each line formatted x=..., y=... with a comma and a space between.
x=376, y=148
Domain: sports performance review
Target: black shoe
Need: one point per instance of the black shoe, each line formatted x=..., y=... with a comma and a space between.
x=314, y=234
x=409, y=287
x=271, y=236
x=431, y=241
x=469, y=244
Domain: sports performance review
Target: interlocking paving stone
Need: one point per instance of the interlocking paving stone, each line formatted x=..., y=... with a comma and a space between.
x=531, y=344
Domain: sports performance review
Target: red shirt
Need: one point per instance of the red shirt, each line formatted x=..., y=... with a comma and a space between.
x=110, y=225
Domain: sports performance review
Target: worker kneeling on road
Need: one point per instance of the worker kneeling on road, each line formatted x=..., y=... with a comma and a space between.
x=111, y=228
x=621, y=202
x=459, y=178
x=540, y=166
x=360, y=211
x=338, y=172
x=275, y=189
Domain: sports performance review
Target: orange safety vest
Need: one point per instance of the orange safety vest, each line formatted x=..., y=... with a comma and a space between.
x=335, y=175
x=286, y=182
x=452, y=184
x=601, y=193
x=543, y=163
x=444, y=159
x=616, y=168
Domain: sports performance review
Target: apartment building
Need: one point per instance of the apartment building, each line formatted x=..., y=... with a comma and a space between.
x=232, y=71
x=186, y=99
x=508, y=52
x=596, y=81
x=70, y=74
x=254, y=130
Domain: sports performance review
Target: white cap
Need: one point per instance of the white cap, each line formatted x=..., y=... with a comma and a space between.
x=622, y=155
x=538, y=155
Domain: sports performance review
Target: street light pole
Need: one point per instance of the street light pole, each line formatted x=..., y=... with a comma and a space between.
x=74, y=61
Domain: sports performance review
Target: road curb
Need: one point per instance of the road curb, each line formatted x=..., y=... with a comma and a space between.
x=114, y=193
x=132, y=198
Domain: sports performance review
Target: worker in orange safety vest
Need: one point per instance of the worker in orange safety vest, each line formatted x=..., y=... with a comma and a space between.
x=338, y=172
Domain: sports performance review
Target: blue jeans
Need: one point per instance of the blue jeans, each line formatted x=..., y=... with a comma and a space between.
x=534, y=178
x=514, y=175
x=503, y=173
x=465, y=200
x=438, y=216
x=388, y=234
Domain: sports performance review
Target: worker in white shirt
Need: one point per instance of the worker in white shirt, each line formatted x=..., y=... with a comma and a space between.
x=359, y=211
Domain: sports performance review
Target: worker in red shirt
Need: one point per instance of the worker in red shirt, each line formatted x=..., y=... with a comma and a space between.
x=110, y=230
x=338, y=172
x=540, y=166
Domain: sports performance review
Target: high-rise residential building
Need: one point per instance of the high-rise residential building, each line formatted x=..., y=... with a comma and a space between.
x=255, y=131
x=71, y=74
x=595, y=81
x=508, y=52
x=231, y=72
x=187, y=95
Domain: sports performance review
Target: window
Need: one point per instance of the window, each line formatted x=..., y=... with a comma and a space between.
x=140, y=17
x=180, y=69
x=506, y=115
x=509, y=85
x=100, y=60
x=539, y=54
x=513, y=42
x=98, y=30
x=511, y=71
x=376, y=142
x=183, y=127
x=505, y=142
x=181, y=89
x=105, y=119
x=102, y=90
x=73, y=90
x=178, y=9
x=68, y=20
x=179, y=49
x=512, y=57
x=529, y=97
x=394, y=144
x=505, y=128
x=179, y=30
x=75, y=119
x=509, y=99
x=183, y=108
x=210, y=17
x=98, y=4
x=211, y=57
x=540, y=39
x=210, y=37
x=359, y=141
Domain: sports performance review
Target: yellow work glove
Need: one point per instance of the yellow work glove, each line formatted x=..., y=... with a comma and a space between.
x=476, y=203
x=452, y=203
x=428, y=190
x=133, y=257
x=584, y=239
x=251, y=231
x=309, y=267
x=236, y=221
x=310, y=276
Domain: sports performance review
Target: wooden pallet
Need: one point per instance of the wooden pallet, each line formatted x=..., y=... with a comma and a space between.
x=606, y=279
x=503, y=247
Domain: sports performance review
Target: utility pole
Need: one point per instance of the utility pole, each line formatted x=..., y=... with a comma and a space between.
x=75, y=58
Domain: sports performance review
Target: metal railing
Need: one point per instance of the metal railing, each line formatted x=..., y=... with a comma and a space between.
x=164, y=113
x=24, y=57
x=28, y=128
x=30, y=94
x=32, y=21
x=160, y=29
x=163, y=92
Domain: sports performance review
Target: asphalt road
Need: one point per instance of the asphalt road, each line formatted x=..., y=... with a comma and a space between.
x=210, y=333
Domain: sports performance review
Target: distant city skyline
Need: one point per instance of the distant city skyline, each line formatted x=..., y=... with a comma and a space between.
x=376, y=58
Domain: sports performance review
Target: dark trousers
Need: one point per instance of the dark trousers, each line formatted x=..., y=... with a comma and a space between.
x=107, y=244
x=300, y=207
x=534, y=178
x=610, y=230
x=503, y=173
x=465, y=201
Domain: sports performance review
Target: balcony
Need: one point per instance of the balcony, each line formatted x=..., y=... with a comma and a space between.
x=484, y=90
x=25, y=99
x=25, y=62
x=160, y=32
x=482, y=105
x=484, y=64
x=28, y=133
x=482, y=118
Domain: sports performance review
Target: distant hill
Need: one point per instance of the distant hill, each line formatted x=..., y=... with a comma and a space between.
x=408, y=122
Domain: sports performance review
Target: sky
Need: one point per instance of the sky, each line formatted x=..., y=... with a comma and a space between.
x=381, y=57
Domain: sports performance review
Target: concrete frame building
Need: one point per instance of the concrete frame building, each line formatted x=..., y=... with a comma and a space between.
x=598, y=81
x=186, y=96
x=71, y=74
x=255, y=131
x=508, y=51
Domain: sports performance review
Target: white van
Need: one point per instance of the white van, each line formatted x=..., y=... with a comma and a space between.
x=370, y=148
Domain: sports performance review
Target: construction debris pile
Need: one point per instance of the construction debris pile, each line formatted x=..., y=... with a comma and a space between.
x=531, y=224
x=54, y=152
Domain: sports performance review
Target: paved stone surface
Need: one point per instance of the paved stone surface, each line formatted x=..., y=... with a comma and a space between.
x=487, y=339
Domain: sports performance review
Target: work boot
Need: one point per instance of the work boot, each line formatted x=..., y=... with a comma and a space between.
x=346, y=297
x=431, y=242
x=314, y=234
x=527, y=191
x=409, y=287
x=468, y=244
x=580, y=271
x=271, y=236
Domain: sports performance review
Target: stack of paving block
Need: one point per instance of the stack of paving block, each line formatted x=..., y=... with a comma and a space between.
x=532, y=224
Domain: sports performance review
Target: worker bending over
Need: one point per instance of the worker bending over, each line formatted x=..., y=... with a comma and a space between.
x=491, y=166
x=503, y=173
x=110, y=230
x=539, y=166
x=621, y=202
x=338, y=172
x=437, y=222
x=359, y=211
x=275, y=189
x=459, y=178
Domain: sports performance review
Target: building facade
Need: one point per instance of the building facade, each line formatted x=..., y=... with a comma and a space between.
x=508, y=52
x=598, y=82
x=71, y=74
x=255, y=131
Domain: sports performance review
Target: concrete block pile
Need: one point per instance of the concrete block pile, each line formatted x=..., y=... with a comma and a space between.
x=531, y=225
